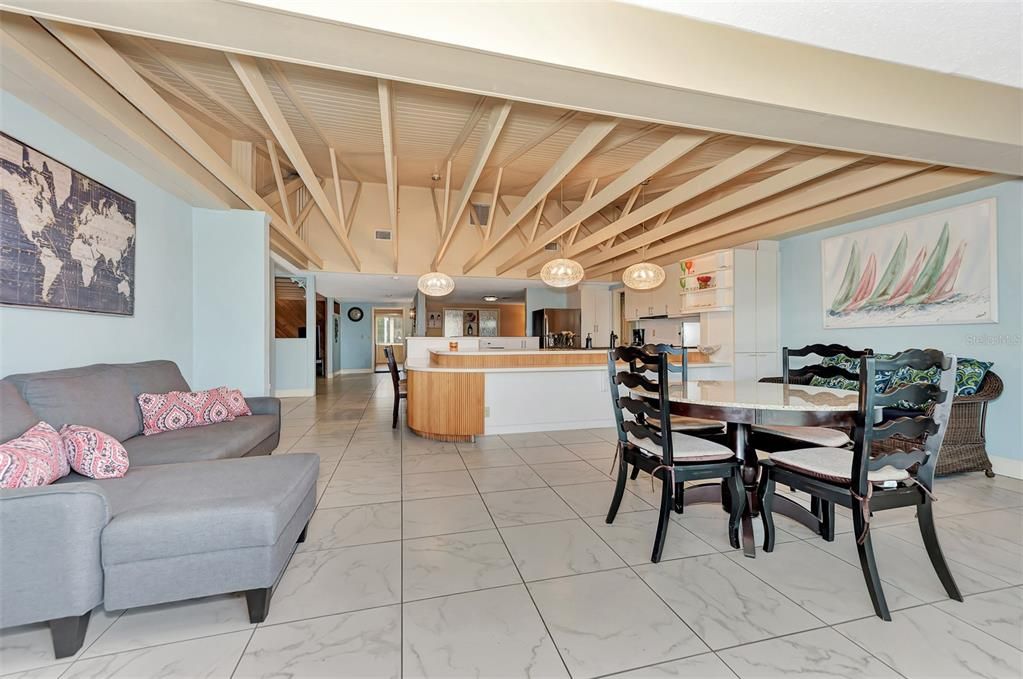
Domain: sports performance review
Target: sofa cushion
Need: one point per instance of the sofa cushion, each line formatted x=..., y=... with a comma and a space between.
x=172, y=510
x=97, y=396
x=214, y=442
x=152, y=377
x=15, y=416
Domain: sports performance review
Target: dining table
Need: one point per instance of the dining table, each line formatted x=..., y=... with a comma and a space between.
x=740, y=404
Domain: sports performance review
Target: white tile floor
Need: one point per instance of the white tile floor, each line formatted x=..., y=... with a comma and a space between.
x=492, y=559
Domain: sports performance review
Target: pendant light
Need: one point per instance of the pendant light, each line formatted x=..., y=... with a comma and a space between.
x=562, y=272
x=435, y=284
x=645, y=275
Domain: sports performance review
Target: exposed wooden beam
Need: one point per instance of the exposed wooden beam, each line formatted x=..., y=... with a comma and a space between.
x=625, y=210
x=518, y=231
x=194, y=108
x=493, y=203
x=447, y=198
x=436, y=212
x=539, y=138
x=609, y=144
x=470, y=125
x=801, y=174
x=282, y=80
x=672, y=149
x=727, y=170
x=305, y=212
x=496, y=119
x=591, y=135
x=537, y=218
x=279, y=180
x=355, y=207
x=830, y=193
x=290, y=186
x=338, y=200
x=252, y=79
x=589, y=194
x=384, y=98
x=91, y=48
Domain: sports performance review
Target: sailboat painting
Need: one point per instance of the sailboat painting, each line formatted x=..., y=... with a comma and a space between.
x=935, y=269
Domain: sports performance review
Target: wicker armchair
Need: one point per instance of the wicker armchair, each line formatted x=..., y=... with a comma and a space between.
x=964, y=447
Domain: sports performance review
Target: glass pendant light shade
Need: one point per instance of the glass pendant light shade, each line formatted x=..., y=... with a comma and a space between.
x=435, y=284
x=643, y=276
x=562, y=273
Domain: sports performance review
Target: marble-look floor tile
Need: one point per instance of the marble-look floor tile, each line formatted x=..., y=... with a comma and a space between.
x=48, y=672
x=594, y=499
x=413, y=445
x=431, y=462
x=336, y=581
x=823, y=584
x=631, y=536
x=818, y=653
x=350, y=526
x=482, y=459
x=1004, y=523
x=27, y=647
x=574, y=436
x=724, y=606
x=981, y=481
x=962, y=542
x=365, y=644
x=178, y=621
x=490, y=633
x=206, y=658
x=709, y=522
x=437, y=484
x=482, y=443
x=518, y=507
x=908, y=567
x=443, y=515
x=606, y=433
x=346, y=490
x=603, y=622
x=493, y=479
x=449, y=564
x=999, y=613
x=706, y=666
x=530, y=440
x=925, y=642
x=551, y=550
x=594, y=450
x=546, y=454
x=566, y=473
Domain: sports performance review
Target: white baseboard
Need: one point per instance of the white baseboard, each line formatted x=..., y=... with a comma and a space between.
x=292, y=393
x=352, y=371
x=336, y=373
x=1007, y=466
x=549, y=426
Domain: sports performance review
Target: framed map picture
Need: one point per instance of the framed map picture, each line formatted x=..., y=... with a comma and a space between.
x=935, y=269
x=66, y=241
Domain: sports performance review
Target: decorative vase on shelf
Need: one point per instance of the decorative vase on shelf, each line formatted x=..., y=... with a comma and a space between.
x=704, y=281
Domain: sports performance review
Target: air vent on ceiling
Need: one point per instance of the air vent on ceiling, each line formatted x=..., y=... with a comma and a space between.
x=382, y=234
x=552, y=247
x=479, y=214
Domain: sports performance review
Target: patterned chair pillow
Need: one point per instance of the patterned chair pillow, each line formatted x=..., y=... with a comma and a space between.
x=881, y=380
x=236, y=402
x=969, y=374
x=92, y=453
x=183, y=409
x=36, y=458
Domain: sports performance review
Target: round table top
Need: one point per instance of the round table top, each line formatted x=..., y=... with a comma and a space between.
x=750, y=395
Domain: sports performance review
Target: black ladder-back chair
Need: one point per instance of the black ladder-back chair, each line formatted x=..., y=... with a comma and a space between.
x=654, y=451
x=876, y=480
x=400, y=387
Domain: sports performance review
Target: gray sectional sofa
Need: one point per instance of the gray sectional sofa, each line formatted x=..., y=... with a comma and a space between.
x=189, y=519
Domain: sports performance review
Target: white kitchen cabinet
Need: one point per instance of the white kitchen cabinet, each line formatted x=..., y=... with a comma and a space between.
x=755, y=366
x=635, y=304
x=595, y=304
x=755, y=308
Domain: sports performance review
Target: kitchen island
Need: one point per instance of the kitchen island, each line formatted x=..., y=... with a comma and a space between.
x=458, y=395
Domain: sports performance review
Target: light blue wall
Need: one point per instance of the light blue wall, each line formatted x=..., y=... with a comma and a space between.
x=802, y=319
x=231, y=272
x=543, y=298
x=294, y=359
x=357, y=338
x=38, y=339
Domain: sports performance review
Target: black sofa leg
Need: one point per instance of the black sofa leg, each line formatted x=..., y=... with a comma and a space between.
x=68, y=634
x=259, y=603
x=301, y=536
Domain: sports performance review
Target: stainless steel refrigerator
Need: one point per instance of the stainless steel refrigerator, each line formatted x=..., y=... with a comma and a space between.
x=558, y=327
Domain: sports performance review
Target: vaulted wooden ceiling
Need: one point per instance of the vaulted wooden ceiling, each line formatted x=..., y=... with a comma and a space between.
x=625, y=189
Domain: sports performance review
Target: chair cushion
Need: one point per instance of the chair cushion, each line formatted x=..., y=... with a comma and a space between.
x=683, y=423
x=832, y=464
x=15, y=416
x=172, y=510
x=215, y=442
x=685, y=448
x=818, y=436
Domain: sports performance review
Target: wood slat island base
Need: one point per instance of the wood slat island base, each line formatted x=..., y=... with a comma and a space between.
x=446, y=406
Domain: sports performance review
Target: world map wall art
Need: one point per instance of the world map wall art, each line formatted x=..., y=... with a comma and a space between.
x=935, y=269
x=66, y=241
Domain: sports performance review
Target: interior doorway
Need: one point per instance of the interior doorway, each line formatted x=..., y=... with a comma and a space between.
x=388, y=331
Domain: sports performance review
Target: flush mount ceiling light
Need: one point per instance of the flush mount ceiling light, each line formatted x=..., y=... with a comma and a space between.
x=643, y=276
x=562, y=273
x=489, y=298
x=435, y=284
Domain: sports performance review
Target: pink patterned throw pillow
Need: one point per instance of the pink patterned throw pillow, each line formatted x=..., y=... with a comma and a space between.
x=183, y=409
x=236, y=402
x=94, y=454
x=36, y=458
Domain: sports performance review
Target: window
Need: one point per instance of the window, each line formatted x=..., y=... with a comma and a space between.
x=389, y=329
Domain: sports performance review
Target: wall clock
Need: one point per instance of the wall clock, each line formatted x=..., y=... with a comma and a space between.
x=355, y=314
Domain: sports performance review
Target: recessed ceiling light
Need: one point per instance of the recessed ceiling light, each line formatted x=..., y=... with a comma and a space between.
x=489, y=298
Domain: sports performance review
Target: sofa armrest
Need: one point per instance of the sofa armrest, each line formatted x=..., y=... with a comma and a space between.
x=50, y=555
x=264, y=405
